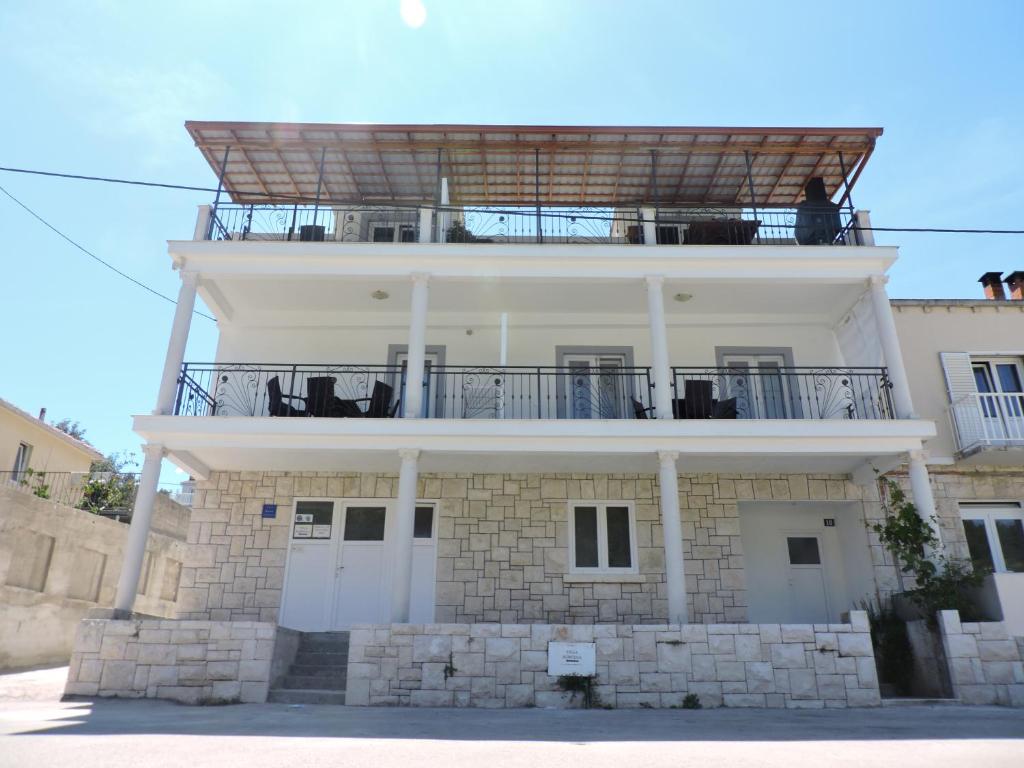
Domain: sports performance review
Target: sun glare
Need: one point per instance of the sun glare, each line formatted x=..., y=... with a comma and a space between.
x=413, y=13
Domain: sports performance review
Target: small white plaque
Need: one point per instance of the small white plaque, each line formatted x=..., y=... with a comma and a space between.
x=303, y=531
x=321, y=531
x=572, y=659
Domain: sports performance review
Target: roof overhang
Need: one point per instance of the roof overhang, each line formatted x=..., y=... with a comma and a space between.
x=594, y=166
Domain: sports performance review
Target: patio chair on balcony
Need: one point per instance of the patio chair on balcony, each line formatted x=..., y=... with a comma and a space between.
x=321, y=400
x=699, y=402
x=724, y=409
x=380, y=406
x=640, y=411
x=276, y=405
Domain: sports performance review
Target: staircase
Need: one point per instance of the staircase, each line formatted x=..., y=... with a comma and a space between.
x=319, y=672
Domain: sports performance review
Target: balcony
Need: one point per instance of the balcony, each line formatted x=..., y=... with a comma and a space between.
x=989, y=421
x=533, y=392
x=695, y=225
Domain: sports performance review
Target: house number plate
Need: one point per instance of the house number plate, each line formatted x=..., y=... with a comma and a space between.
x=571, y=659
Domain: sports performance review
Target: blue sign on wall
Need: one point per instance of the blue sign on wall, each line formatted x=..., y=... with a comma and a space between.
x=270, y=510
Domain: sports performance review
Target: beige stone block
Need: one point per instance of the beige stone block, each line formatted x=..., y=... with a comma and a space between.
x=998, y=650
x=117, y=676
x=788, y=656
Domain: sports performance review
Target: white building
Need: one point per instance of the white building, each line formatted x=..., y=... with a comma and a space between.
x=653, y=385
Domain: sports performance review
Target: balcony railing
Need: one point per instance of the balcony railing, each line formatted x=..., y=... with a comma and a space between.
x=782, y=393
x=531, y=392
x=988, y=419
x=458, y=224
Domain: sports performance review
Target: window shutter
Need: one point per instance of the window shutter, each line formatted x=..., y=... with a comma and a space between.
x=959, y=374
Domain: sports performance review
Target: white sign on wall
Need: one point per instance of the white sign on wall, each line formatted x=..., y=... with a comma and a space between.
x=572, y=659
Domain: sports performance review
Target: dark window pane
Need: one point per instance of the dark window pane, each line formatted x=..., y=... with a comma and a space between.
x=977, y=544
x=407, y=235
x=981, y=380
x=364, y=524
x=1009, y=378
x=668, y=235
x=1011, y=539
x=803, y=550
x=321, y=511
x=383, y=234
x=619, y=549
x=586, y=537
x=423, y=528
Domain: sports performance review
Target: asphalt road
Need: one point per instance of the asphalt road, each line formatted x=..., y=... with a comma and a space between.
x=38, y=730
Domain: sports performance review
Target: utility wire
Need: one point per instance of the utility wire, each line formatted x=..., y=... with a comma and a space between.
x=328, y=201
x=93, y=256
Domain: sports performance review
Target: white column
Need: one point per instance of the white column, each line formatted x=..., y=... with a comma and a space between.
x=863, y=219
x=138, y=531
x=890, y=342
x=661, y=371
x=921, y=493
x=202, y=223
x=417, y=347
x=406, y=518
x=650, y=225
x=176, y=345
x=426, y=222
x=672, y=528
x=503, y=340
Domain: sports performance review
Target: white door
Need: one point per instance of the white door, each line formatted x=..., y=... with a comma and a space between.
x=597, y=387
x=361, y=594
x=1001, y=397
x=806, y=579
x=760, y=388
x=309, y=574
x=424, y=559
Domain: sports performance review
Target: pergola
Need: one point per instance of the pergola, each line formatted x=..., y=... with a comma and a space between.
x=592, y=166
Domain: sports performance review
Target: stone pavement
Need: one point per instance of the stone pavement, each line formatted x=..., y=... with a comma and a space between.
x=36, y=729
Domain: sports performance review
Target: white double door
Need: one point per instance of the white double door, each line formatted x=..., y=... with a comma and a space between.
x=341, y=560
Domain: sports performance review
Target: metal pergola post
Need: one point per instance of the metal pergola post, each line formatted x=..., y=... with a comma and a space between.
x=536, y=191
x=216, y=198
x=849, y=200
x=319, y=184
x=750, y=184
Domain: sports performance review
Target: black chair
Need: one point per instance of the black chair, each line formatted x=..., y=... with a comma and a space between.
x=639, y=411
x=276, y=405
x=699, y=400
x=724, y=409
x=321, y=400
x=380, y=401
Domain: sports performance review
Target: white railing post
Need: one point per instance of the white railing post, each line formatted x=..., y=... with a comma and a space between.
x=176, y=345
x=672, y=530
x=661, y=370
x=650, y=225
x=413, y=397
x=138, y=531
x=891, y=352
x=426, y=225
x=862, y=228
x=401, y=595
x=202, y=230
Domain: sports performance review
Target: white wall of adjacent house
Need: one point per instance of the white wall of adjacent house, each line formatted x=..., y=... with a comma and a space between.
x=806, y=562
x=978, y=329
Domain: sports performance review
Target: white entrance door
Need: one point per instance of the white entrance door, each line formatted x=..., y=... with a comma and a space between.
x=806, y=579
x=361, y=594
x=340, y=561
x=597, y=387
x=758, y=386
x=309, y=575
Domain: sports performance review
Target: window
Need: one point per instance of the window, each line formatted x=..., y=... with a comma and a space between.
x=803, y=550
x=995, y=536
x=21, y=459
x=602, y=537
x=423, y=524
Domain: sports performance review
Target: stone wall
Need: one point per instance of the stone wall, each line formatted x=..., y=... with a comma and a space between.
x=505, y=665
x=502, y=542
x=192, y=662
x=985, y=663
x=57, y=563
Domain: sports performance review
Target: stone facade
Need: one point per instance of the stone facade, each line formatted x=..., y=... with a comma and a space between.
x=505, y=665
x=193, y=662
x=502, y=542
x=985, y=663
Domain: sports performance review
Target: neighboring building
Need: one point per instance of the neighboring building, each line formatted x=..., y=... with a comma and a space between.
x=966, y=364
x=516, y=384
x=27, y=443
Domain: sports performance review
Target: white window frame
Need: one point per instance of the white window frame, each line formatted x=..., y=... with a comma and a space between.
x=989, y=513
x=602, y=537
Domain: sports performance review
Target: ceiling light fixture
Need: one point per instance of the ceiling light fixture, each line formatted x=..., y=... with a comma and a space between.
x=380, y=295
x=683, y=297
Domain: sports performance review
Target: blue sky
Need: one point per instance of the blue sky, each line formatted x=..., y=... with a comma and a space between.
x=104, y=88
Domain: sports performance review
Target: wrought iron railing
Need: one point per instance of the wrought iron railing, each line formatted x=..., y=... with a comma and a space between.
x=537, y=392
x=983, y=419
x=701, y=225
x=782, y=393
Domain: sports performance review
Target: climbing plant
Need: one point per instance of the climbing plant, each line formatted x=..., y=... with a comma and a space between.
x=940, y=583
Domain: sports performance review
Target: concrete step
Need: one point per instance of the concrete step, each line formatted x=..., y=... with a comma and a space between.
x=321, y=659
x=321, y=636
x=906, y=701
x=305, y=696
x=318, y=669
x=321, y=646
x=296, y=681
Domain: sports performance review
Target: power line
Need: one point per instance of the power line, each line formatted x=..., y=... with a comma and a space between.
x=93, y=256
x=328, y=201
